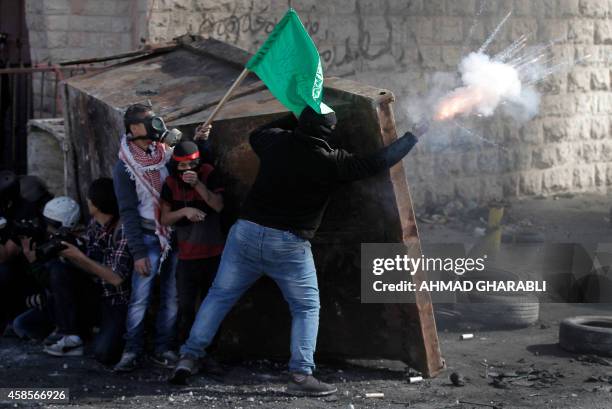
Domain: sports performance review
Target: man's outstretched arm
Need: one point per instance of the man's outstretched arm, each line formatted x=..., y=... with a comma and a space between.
x=351, y=167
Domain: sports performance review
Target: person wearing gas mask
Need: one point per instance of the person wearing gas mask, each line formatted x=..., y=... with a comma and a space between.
x=139, y=176
x=191, y=202
x=298, y=172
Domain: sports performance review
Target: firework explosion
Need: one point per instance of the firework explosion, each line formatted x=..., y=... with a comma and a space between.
x=508, y=77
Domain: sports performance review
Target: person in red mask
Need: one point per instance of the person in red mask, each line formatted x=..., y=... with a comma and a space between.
x=191, y=202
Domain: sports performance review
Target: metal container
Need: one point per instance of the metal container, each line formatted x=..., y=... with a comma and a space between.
x=184, y=85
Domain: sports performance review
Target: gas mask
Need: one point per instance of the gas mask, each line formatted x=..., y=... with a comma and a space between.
x=158, y=132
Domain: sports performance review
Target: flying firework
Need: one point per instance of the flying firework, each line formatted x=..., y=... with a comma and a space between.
x=508, y=77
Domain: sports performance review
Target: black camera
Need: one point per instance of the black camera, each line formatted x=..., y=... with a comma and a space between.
x=52, y=247
x=28, y=228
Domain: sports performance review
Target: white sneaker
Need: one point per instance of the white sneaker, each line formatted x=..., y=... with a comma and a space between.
x=68, y=345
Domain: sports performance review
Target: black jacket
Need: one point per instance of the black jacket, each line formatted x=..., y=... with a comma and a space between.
x=298, y=173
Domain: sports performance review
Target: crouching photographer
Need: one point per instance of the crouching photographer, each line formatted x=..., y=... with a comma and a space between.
x=41, y=243
x=93, y=281
x=21, y=199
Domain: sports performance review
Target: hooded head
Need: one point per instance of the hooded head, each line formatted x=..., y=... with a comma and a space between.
x=186, y=156
x=315, y=124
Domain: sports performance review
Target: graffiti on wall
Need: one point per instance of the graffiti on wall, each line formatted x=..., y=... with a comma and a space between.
x=249, y=26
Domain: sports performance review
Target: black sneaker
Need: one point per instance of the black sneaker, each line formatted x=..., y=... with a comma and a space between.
x=187, y=366
x=127, y=363
x=166, y=359
x=308, y=385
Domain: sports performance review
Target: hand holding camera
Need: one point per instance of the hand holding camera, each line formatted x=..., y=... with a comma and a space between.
x=57, y=244
x=71, y=252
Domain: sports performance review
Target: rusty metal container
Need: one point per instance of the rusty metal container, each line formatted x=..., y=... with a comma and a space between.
x=184, y=85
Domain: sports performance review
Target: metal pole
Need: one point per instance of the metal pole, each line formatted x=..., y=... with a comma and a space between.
x=42, y=93
x=55, y=96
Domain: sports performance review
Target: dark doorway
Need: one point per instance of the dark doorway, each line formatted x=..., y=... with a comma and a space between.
x=15, y=86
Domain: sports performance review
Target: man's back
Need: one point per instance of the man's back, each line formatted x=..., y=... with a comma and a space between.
x=295, y=178
x=299, y=171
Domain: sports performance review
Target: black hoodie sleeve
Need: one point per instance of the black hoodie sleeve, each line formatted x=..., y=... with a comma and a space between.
x=351, y=167
x=265, y=135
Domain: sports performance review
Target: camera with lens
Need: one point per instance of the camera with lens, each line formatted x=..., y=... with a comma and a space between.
x=53, y=246
x=28, y=228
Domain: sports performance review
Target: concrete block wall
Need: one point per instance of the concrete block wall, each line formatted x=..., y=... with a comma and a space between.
x=62, y=30
x=404, y=45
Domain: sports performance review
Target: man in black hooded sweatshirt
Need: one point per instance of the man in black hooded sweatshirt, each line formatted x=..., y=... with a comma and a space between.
x=298, y=172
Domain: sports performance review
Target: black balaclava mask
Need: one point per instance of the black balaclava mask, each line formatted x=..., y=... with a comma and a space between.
x=185, y=151
x=315, y=124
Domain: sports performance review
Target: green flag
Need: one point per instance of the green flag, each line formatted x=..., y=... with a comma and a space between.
x=290, y=66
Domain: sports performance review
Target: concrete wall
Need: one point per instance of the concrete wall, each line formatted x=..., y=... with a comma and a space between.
x=400, y=45
x=62, y=30
x=47, y=153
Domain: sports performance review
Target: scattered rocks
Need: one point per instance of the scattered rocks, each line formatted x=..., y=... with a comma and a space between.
x=457, y=379
x=602, y=388
x=433, y=219
x=602, y=378
x=532, y=377
x=593, y=359
x=499, y=383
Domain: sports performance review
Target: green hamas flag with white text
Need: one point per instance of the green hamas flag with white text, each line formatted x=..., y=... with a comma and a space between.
x=290, y=66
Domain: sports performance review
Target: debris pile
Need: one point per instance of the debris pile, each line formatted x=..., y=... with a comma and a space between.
x=532, y=377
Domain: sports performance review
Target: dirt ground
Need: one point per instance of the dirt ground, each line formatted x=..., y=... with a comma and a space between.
x=540, y=374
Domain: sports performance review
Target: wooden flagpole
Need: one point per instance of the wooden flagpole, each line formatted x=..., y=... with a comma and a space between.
x=225, y=98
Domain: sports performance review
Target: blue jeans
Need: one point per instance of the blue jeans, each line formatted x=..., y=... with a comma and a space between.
x=251, y=251
x=141, y=295
x=34, y=323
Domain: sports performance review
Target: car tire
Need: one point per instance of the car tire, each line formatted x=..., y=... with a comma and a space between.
x=503, y=310
x=587, y=334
